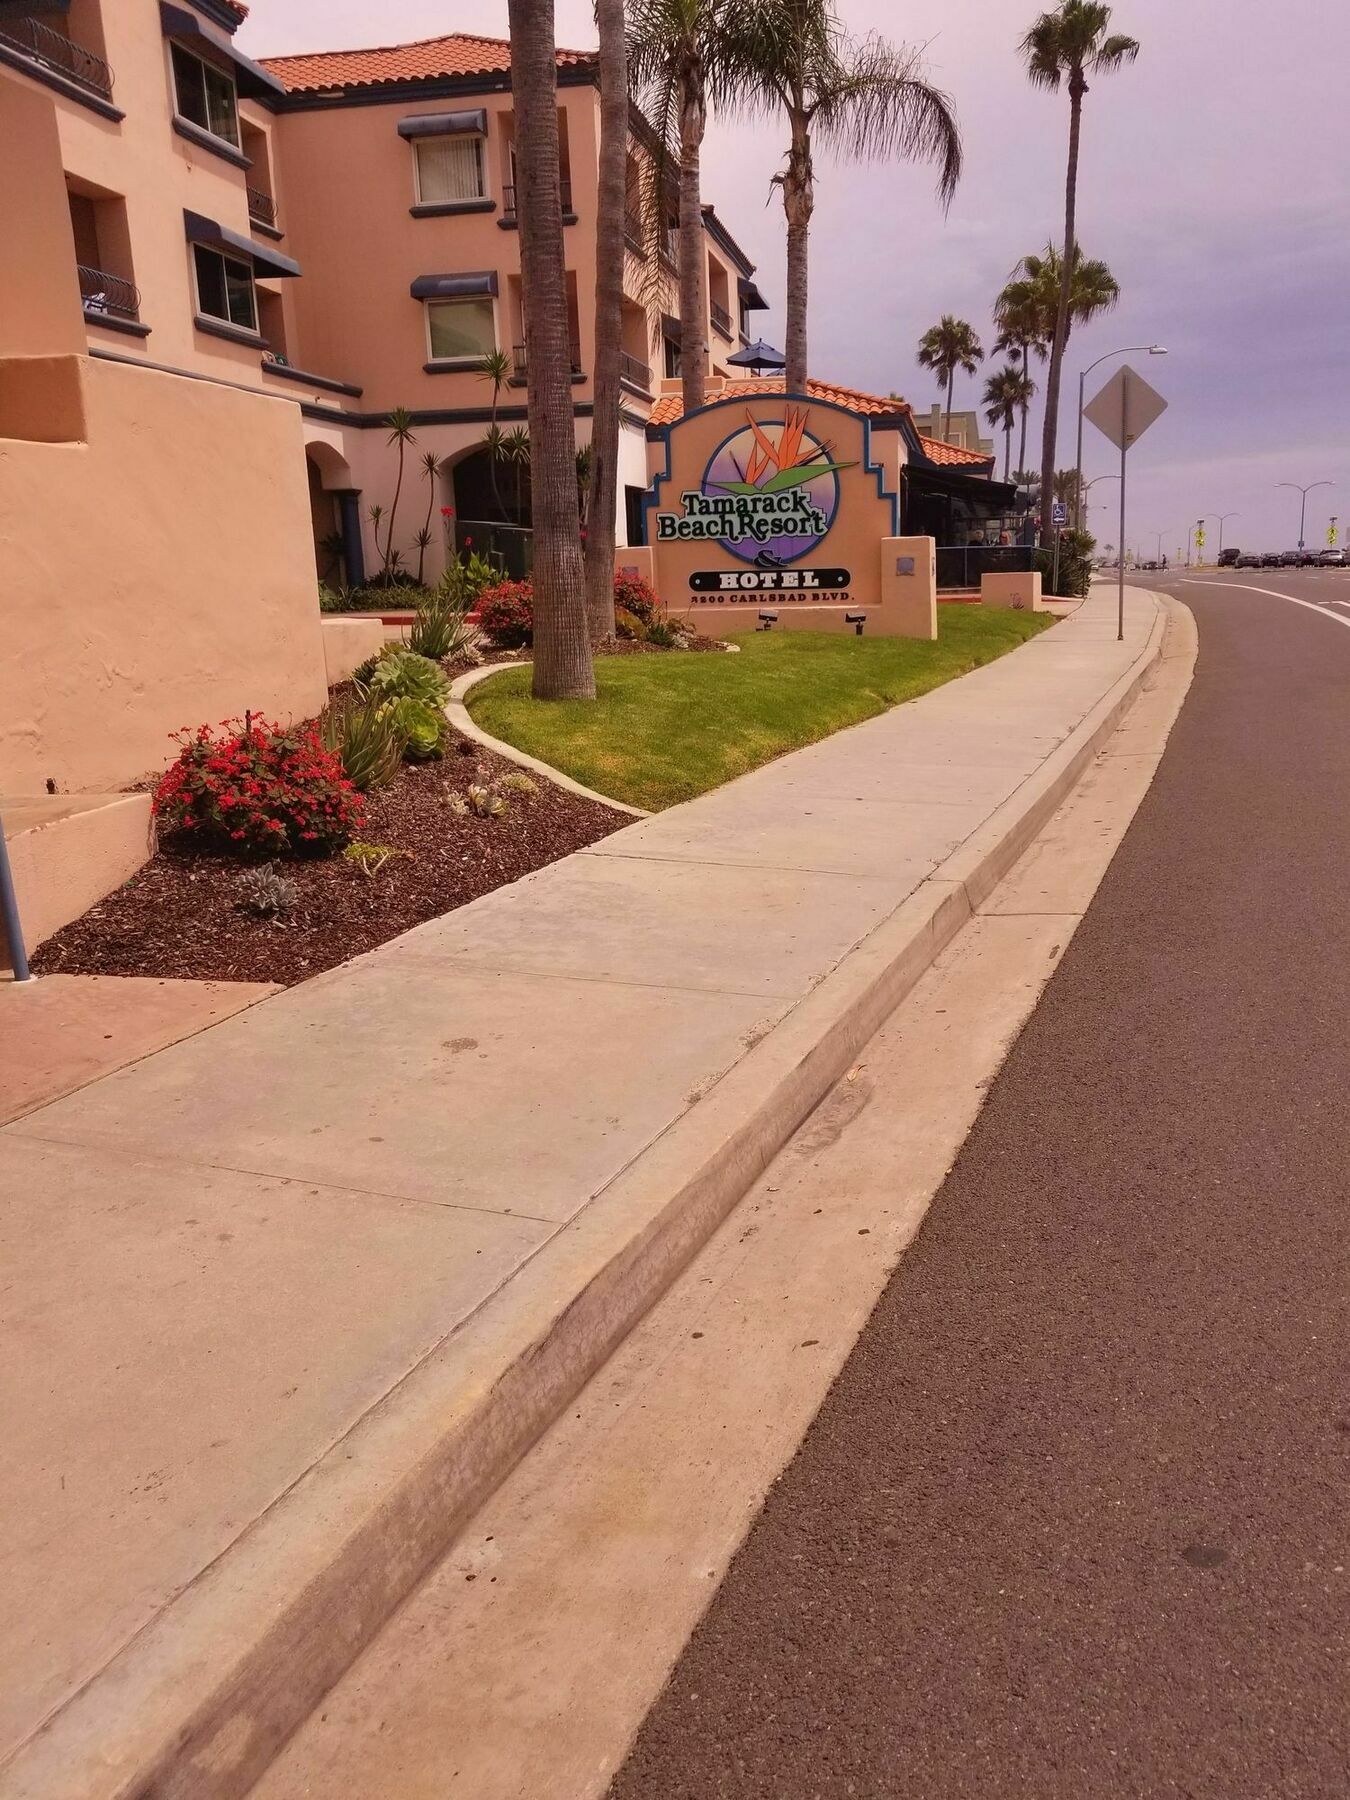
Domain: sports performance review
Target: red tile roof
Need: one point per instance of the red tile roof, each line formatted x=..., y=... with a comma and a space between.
x=938, y=452
x=459, y=54
x=671, y=406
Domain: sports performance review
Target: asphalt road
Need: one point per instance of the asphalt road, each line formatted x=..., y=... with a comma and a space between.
x=1075, y=1519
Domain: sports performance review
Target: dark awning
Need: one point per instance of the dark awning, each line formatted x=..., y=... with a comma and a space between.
x=979, y=490
x=201, y=230
x=449, y=124
x=751, y=298
x=186, y=28
x=454, y=287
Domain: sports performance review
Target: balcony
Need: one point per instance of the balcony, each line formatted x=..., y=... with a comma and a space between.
x=721, y=318
x=108, y=296
x=521, y=369
x=54, y=51
x=635, y=372
x=508, y=217
x=262, y=208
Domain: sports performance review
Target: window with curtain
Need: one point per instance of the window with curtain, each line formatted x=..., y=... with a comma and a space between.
x=205, y=96
x=448, y=169
x=460, y=329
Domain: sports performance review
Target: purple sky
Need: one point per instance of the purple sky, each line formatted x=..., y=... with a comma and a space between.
x=1213, y=182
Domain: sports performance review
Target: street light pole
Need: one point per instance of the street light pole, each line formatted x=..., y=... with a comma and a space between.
x=1127, y=350
x=1221, y=517
x=1303, y=503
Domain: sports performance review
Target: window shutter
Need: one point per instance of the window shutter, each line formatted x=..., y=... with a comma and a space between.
x=449, y=169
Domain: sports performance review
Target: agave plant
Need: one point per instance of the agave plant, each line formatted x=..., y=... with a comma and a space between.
x=366, y=738
x=441, y=628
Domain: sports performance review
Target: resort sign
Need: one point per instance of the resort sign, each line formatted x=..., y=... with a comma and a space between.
x=774, y=510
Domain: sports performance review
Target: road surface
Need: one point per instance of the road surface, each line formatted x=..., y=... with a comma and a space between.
x=1075, y=1519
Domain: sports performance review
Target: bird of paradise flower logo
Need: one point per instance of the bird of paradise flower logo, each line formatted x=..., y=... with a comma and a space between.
x=776, y=485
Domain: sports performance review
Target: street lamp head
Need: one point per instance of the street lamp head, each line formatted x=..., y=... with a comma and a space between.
x=1157, y=349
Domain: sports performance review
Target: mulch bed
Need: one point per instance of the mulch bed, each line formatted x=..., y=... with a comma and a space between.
x=181, y=915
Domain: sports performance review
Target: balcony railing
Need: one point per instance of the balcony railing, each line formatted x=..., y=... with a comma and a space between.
x=262, y=208
x=632, y=369
x=509, y=197
x=521, y=367
x=721, y=318
x=54, y=50
x=105, y=293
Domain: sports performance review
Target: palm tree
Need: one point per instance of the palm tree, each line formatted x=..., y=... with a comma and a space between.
x=865, y=99
x=609, y=256
x=495, y=366
x=1005, y=395
x=563, y=669
x=431, y=468
x=1035, y=287
x=1062, y=48
x=944, y=348
x=516, y=452
x=1020, y=333
x=400, y=433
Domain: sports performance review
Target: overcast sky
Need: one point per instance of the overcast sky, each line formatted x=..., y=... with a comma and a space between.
x=1214, y=183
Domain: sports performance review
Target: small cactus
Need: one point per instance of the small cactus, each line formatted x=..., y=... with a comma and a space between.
x=266, y=894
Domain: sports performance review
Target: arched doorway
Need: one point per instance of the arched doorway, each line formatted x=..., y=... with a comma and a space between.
x=491, y=501
x=335, y=516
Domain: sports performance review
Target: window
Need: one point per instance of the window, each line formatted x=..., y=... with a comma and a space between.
x=225, y=288
x=448, y=169
x=672, y=358
x=460, y=330
x=205, y=95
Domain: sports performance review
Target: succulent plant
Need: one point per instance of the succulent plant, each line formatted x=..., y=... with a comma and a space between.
x=266, y=893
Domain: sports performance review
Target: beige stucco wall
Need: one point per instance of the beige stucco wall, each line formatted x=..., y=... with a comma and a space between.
x=158, y=574
x=1020, y=590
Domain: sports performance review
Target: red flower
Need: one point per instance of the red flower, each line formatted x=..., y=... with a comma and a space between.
x=447, y=512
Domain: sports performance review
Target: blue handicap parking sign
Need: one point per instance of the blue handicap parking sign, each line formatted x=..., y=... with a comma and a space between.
x=1059, y=513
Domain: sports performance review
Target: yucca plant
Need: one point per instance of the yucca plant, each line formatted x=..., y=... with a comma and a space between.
x=366, y=738
x=441, y=628
x=400, y=424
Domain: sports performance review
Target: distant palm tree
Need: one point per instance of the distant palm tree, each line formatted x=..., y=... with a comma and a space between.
x=1063, y=48
x=563, y=668
x=1020, y=333
x=494, y=366
x=602, y=501
x=864, y=99
x=516, y=452
x=944, y=348
x=1005, y=394
x=431, y=468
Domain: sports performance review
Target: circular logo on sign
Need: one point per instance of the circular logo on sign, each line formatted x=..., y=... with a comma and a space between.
x=775, y=486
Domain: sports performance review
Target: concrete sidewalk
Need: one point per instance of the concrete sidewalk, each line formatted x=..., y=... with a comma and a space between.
x=286, y=1299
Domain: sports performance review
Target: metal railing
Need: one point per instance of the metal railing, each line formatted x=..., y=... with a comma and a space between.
x=105, y=293
x=509, y=197
x=56, y=51
x=520, y=362
x=632, y=368
x=721, y=318
x=262, y=208
x=962, y=565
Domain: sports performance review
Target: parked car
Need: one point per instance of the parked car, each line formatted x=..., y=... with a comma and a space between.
x=1270, y=559
x=1331, y=559
x=1248, y=559
x=1291, y=559
x=1229, y=559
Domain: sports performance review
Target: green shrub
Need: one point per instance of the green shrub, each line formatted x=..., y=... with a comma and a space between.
x=366, y=739
x=440, y=629
x=506, y=613
x=258, y=787
x=664, y=635
x=1075, y=565
x=404, y=674
x=421, y=725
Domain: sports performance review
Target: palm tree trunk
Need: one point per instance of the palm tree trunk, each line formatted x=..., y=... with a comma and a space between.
x=494, y=451
x=951, y=389
x=562, y=650
x=799, y=200
x=1026, y=408
x=1007, y=449
x=600, y=510
x=693, y=260
x=393, y=508
x=1077, y=87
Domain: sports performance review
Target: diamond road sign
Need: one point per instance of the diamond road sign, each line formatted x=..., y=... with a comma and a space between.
x=1125, y=408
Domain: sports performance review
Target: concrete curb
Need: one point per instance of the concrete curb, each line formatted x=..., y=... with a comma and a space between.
x=458, y=714
x=200, y=1703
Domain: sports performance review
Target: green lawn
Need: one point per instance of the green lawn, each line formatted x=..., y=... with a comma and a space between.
x=665, y=728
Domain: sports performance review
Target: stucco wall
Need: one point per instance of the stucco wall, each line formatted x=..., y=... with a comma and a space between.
x=158, y=574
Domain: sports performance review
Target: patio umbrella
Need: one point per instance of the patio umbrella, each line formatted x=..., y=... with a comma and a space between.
x=759, y=358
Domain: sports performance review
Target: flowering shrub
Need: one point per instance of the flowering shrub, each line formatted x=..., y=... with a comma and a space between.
x=636, y=596
x=259, y=787
x=506, y=614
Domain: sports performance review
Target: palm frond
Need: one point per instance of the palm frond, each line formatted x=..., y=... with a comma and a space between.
x=876, y=105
